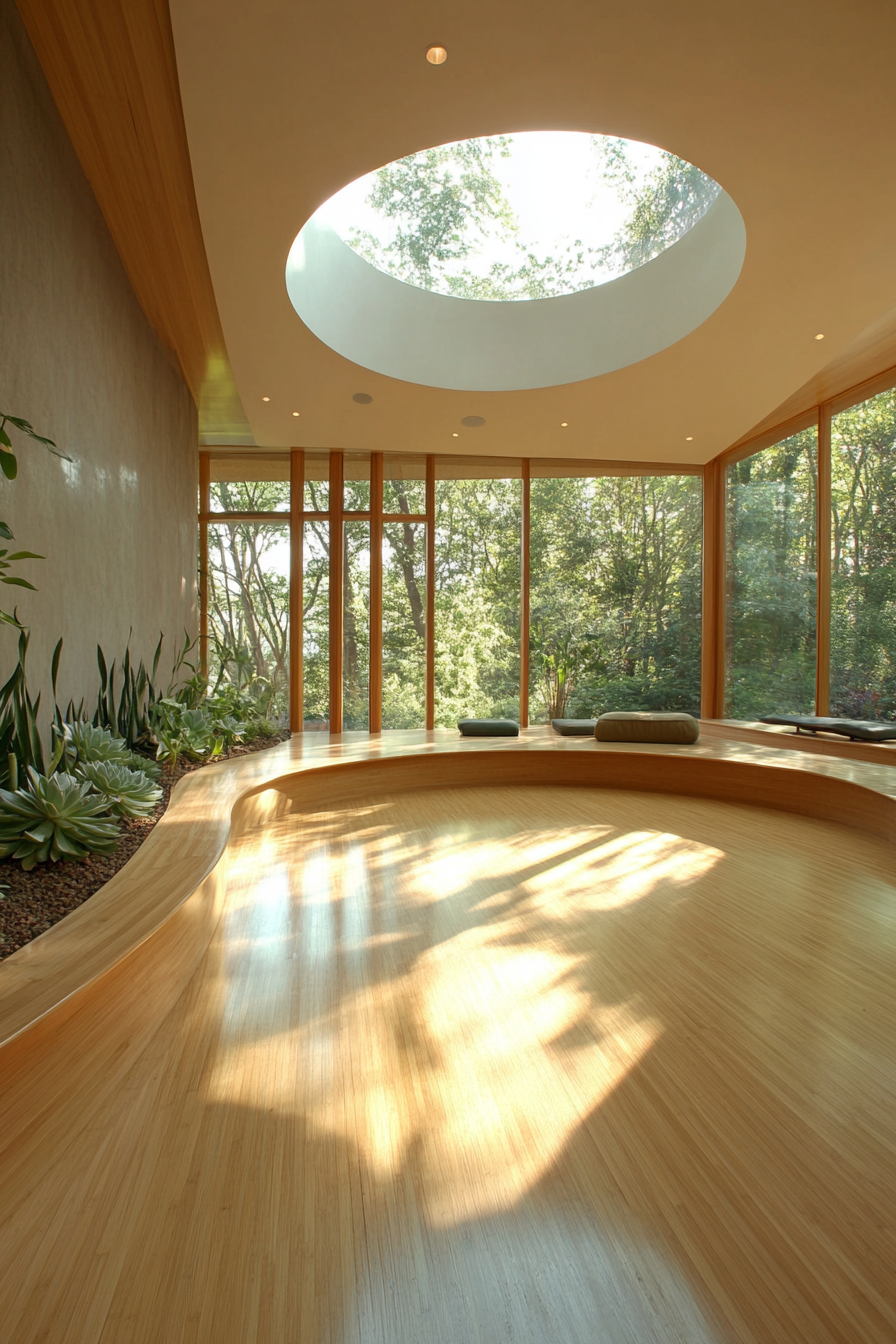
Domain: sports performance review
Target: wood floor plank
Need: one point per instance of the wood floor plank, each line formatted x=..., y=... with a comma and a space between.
x=502, y=1063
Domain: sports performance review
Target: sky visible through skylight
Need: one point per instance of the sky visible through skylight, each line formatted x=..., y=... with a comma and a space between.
x=568, y=206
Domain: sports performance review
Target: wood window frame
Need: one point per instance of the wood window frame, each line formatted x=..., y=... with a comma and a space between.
x=714, y=605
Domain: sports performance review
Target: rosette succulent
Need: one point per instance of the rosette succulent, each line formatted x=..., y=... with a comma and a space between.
x=55, y=818
x=135, y=760
x=127, y=793
x=86, y=744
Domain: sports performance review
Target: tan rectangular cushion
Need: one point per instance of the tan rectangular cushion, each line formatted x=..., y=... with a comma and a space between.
x=621, y=726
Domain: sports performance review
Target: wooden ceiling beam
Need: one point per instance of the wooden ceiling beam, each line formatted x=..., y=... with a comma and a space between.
x=111, y=68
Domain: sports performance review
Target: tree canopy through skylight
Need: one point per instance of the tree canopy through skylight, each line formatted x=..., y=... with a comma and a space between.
x=527, y=216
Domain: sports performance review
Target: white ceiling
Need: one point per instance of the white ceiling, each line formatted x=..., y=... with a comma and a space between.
x=789, y=104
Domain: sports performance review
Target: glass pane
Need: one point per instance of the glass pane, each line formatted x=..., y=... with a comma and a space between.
x=316, y=627
x=404, y=625
x=317, y=482
x=404, y=484
x=863, y=580
x=477, y=577
x=250, y=483
x=356, y=626
x=248, y=612
x=615, y=595
x=249, y=497
x=770, y=581
x=356, y=491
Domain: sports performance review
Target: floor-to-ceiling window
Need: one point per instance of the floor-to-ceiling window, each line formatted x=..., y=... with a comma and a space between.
x=404, y=592
x=246, y=578
x=391, y=591
x=863, y=559
x=314, y=538
x=615, y=594
x=424, y=590
x=771, y=559
x=477, y=590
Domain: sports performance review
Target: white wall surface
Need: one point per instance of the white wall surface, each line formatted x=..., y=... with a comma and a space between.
x=423, y=337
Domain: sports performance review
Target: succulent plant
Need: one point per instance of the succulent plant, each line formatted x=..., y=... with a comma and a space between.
x=184, y=732
x=229, y=729
x=84, y=742
x=135, y=760
x=55, y=818
x=127, y=793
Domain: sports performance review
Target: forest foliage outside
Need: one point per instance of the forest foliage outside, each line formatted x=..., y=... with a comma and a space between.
x=863, y=559
x=771, y=581
x=615, y=600
x=445, y=221
x=615, y=593
x=771, y=590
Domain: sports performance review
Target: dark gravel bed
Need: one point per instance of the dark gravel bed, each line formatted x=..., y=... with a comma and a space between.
x=33, y=902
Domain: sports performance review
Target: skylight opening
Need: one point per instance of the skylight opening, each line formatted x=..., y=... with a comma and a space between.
x=532, y=215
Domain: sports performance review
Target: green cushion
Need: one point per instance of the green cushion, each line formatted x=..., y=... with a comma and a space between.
x=489, y=728
x=646, y=727
x=574, y=727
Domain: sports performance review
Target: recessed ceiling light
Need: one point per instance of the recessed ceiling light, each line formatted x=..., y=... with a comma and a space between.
x=473, y=421
x=820, y=336
x=455, y=435
x=436, y=55
x=564, y=424
x=362, y=398
x=689, y=439
x=296, y=412
x=265, y=398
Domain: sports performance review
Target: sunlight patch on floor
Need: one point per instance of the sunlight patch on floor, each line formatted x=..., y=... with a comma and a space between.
x=480, y=1051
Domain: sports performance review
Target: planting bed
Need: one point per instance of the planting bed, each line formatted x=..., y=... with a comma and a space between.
x=33, y=902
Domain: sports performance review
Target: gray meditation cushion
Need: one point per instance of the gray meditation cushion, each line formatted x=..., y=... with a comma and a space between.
x=858, y=730
x=574, y=727
x=488, y=728
x=623, y=726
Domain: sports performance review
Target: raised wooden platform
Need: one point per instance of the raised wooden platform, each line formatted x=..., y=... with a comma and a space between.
x=821, y=744
x=145, y=1036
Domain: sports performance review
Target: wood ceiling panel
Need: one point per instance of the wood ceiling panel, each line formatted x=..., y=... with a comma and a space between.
x=863, y=360
x=111, y=68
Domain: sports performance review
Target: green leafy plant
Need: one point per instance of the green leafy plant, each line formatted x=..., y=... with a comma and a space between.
x=9, y=466
x=262, y=728
x=229, y=730
x=248, y=694
x=7, y=558
x=135, y=760
x=127, y=793
x=180, y=731
x=189, y=691
x=54, y=818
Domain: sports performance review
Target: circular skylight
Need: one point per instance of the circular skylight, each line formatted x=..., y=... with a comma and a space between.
x=516, y=261
x=527, y=216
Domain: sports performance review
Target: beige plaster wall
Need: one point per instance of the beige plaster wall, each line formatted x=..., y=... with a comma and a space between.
x=117, y=524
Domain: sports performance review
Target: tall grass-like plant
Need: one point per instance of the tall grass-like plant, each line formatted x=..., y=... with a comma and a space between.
x=20, y=740
x=54, y=819
x=127, y=714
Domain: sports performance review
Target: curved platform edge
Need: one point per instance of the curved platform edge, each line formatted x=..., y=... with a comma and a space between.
x=80, y=1003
